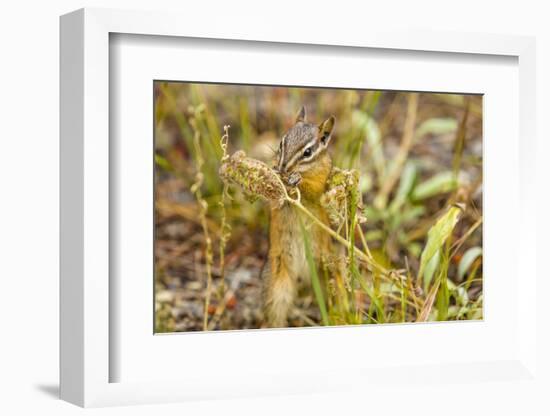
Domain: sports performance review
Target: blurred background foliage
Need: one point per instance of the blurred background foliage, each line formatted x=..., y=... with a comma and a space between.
x=419, y=157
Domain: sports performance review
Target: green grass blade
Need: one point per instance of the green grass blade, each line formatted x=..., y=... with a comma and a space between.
x=376, y=302
x=443, y=292
x=369, y=128
x=406, y=184
x=431, y=268
x=315, y=282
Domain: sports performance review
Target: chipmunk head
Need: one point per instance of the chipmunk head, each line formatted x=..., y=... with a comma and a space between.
x=304, y=144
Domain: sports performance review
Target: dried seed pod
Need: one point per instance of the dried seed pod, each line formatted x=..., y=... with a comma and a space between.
x=258, y=180
x=342, y=189
x=254, y=177
x=334, y=202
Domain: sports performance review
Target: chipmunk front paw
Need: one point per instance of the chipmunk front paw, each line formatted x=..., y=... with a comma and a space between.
x=293, y=179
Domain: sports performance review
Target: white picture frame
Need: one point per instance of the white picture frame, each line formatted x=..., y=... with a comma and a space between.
x=87, y=308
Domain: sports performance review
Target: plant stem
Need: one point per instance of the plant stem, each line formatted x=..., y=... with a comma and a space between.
x=368, y=259
x=364, y=241
x=225, y=227
x=296, y=202
x=203, y=207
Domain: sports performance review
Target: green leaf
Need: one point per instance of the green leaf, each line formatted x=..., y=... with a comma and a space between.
x=443, y=300
x=163, y=163
x=365, y=182
x=369, y=127
x=437, y=235
x=406, y=184
x=462, y=299
x=374, y=235
x=459, y=293
x=436, y=126
x=374, y=214
x=439, y=184
x=443, y=292
x=414, y=248
x=467, y=260
x=315, y=282
x=431, y=267
x=413, y=213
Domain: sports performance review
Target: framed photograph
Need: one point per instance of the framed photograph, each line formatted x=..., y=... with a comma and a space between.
x=225, y=262
x=247, y=215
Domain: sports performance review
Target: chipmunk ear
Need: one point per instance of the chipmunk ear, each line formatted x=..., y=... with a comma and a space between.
x=301, y=116
x=325, y=130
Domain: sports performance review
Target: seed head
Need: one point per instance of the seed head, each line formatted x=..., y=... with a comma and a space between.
x=254, y=177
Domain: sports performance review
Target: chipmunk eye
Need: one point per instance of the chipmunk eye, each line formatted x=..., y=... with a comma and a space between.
x=307, y=152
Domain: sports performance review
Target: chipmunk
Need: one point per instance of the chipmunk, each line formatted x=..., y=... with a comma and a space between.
x=303, y=159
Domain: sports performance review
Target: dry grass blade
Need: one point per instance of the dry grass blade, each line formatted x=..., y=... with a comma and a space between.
x=398, y=163
x=186, y=211
x=458, y=243
x=460, y=139
x=428, y=304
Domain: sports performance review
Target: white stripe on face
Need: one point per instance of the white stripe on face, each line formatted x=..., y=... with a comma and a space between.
x=281, y=153
x=301, y=151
